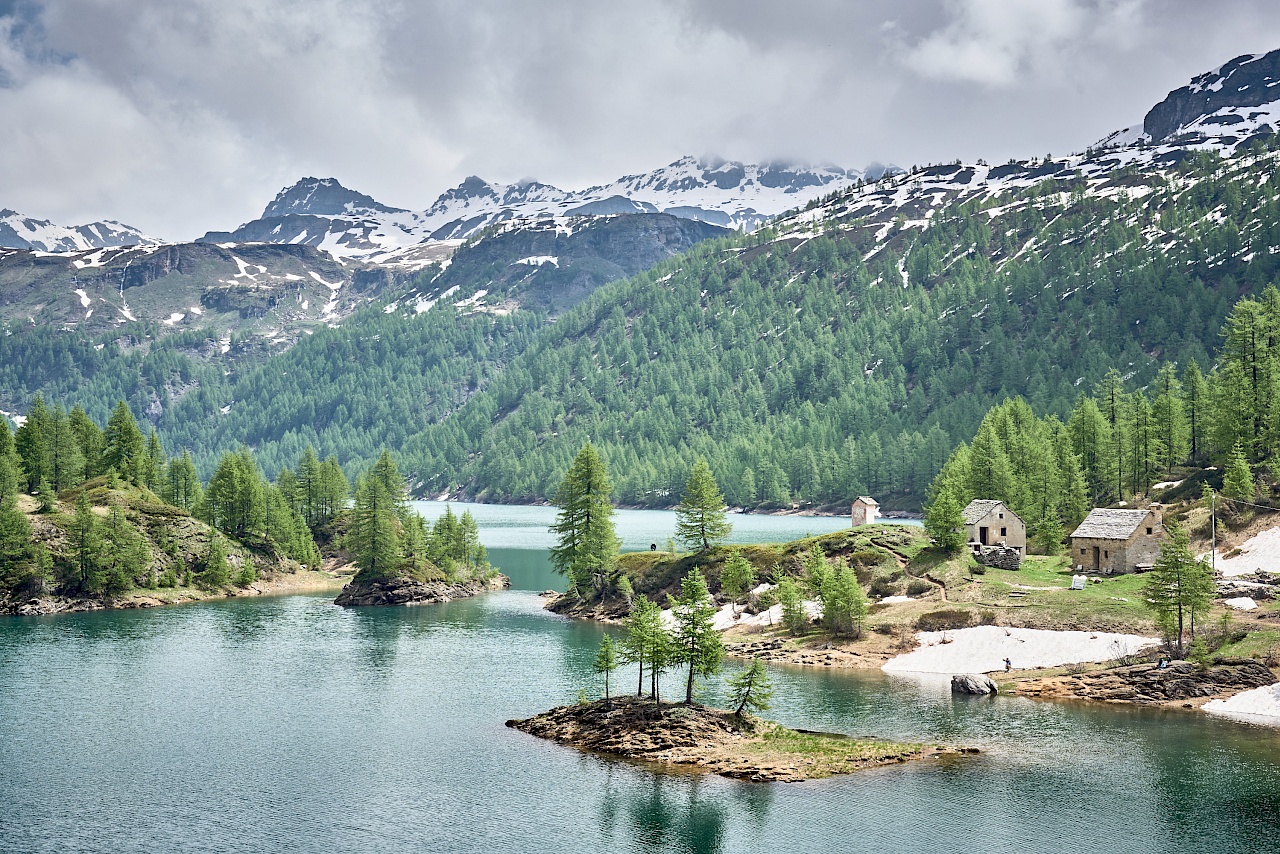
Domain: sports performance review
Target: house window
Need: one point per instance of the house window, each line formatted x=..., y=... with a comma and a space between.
x=1001, y=515
x=1106, y=554
x=1082, y=551
x=1148, y=531
x=1004, y=532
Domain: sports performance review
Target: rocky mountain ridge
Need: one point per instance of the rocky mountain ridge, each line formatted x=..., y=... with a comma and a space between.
x=39, y=235
x=1223, y=108
x=349, y=225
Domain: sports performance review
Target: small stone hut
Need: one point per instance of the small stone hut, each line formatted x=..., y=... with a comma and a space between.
x=990, y=523
x=1118, y=541
x=865, y=510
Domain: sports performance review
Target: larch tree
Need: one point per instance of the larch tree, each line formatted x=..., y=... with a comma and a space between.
x=124, y=444
x=737, y=577
x=1237, y=480
x=696, y=643
x=606, y=662
x=794, y=617
x=647, y=643
x=700, y=515
x=31, y=441
x=182, y=487
x=586, y=550
x=944, y=521
x=751, y=689
x=90, y=438
x=1179, y=588
x=86, y=544
x=374, y=535
x=15, y=538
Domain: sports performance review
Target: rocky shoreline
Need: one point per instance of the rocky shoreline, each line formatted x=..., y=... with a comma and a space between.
x=408, y=591
x=716, y=741
x=277, y=584
x=1180, y=683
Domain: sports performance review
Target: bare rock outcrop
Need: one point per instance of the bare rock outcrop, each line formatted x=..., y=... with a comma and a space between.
x=1149, y=684
x=410, y=591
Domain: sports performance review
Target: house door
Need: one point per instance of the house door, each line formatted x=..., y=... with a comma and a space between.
x=1097, y=560
x=982, y=536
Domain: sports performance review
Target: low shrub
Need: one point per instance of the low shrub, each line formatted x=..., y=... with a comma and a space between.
x=866, y=557
x=918, y=587
x=882, y=587
x=947, y=618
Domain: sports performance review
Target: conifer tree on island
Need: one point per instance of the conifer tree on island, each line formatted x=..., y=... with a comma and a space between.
x=751, y=688
x=374, y=538
x=606, y=662
x=697, y=644
x=587, y=548
x=646, y=643
x=700, y=517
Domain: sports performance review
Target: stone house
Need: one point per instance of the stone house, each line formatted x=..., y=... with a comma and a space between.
x=991, y=523
x=1118, y=541
x=865, y=511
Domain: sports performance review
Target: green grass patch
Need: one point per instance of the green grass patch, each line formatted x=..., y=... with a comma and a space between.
x=871, y=548
x=832, y=749
x=1263, y=645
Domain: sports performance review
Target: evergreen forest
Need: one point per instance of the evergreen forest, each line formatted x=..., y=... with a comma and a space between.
x=829, y=355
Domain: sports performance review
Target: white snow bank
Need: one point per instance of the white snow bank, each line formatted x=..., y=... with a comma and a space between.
x=890, y=600
x=1254, y=703
x=732, y=615
x=539, y=260
x=981, y=649
x=1241, y=603
x=333, y=286
x=1260, y=552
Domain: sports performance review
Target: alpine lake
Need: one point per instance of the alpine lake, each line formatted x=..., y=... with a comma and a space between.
x=289, y=724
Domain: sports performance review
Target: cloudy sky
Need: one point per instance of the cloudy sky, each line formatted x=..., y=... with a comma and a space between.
x=180, y=116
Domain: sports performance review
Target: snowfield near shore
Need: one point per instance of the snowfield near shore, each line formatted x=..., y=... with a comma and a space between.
x=982, y=649
x=1260, y=552
x=1261, y=705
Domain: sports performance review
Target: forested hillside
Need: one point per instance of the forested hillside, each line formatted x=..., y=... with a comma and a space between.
x=846, y=349
x=1121, y=442
x=832, y=357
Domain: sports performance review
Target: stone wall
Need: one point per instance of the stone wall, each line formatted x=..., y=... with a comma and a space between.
x=1000, y=557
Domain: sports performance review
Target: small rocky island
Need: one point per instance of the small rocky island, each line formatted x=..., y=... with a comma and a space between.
x=714, y=740
x=407, y=590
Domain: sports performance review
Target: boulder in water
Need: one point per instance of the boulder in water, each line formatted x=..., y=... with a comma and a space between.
x=972, y=683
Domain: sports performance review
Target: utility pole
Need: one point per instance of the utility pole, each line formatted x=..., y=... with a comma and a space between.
x=1213, y=530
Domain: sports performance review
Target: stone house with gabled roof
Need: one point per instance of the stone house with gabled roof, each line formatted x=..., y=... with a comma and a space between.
x=865, y=510
x=991, y=523
x=1118, y=541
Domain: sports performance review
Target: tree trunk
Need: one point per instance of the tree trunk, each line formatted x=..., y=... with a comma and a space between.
x=1181, y=648
x=688, y=690
x=640, y=687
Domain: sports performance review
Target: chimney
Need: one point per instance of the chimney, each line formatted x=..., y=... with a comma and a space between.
x=1158, y=511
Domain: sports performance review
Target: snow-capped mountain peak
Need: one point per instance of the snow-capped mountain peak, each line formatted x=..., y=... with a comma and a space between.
x=40, y=235
x=1228, y=105
x=323, y=197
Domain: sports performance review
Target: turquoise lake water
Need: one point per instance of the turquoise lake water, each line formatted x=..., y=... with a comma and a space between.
x=288, y=724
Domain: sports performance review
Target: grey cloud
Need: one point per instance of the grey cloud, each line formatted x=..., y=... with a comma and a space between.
x=185, y=115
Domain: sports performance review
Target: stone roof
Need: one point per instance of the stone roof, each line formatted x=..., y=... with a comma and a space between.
x=1103, y=524
x=977, y=508
x=865, y=499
